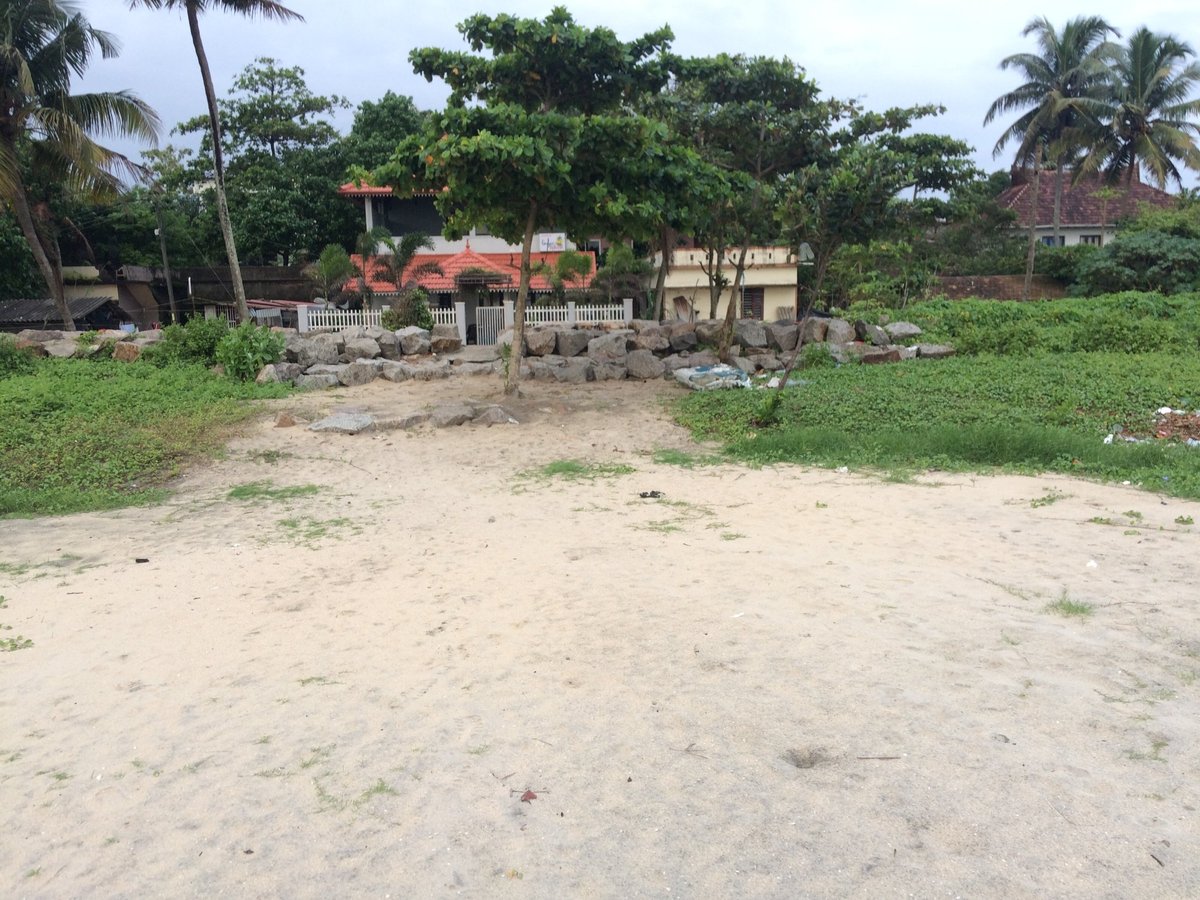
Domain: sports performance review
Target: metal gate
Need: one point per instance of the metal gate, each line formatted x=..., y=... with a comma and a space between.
x=489, y=322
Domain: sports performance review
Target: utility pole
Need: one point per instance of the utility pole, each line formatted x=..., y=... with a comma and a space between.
x=162, y=245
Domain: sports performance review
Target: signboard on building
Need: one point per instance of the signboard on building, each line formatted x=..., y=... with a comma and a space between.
x=552, y=243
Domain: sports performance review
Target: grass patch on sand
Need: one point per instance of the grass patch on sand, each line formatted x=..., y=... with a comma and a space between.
x=574, y=470
x=80, y=435
x=1028, y=414
x=263, y=490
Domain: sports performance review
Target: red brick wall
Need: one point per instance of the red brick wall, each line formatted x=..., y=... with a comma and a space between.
x=996, y=287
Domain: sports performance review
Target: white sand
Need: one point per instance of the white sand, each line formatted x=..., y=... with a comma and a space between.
x=779, y=682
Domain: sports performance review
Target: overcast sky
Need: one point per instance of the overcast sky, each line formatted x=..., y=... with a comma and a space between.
x=882, y=53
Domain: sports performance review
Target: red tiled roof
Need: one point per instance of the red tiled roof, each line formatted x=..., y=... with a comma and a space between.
x=352, y=189
x=1080, y=204
x=503, y=271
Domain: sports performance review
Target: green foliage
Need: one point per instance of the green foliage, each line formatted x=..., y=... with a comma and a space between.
x=14, y=361
x=816, y=356
x=1143, y=261
x=193, y=342
x=1039, y=413
x=244, y=350
x=78, y=435
x=331, y=271
x=19, y=278
x=411, y=307
x=1126, y=322
x=380, y=127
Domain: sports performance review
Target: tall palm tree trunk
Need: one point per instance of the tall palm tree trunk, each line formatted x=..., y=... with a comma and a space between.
x=1031, y=252
x=1058, y=191
x=512, y=378
x=49, y=272
x=210, y=95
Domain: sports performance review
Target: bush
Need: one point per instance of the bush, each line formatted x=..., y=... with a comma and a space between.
x=1008, y=339
x=1143, y=261
x=1118, y=331
x=816, y=356
x=195, y=342
x=411, y=307
x=12, y=360
x=246, y=349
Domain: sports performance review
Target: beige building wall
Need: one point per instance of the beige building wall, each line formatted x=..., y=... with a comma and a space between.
x=769, y=269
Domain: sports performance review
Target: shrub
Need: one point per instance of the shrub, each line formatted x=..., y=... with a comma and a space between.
x=246, y=349
x=1119, y=331
x=195, y=342
x=410, y=307
x=12, y=360
x=817, y=356
x=1009, y=339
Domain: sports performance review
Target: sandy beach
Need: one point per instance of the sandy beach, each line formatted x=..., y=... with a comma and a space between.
x=438, y=673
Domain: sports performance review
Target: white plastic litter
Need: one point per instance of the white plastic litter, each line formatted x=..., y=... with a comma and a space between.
x=712, y=378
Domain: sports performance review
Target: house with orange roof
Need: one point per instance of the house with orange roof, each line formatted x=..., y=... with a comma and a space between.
x=1089, y=209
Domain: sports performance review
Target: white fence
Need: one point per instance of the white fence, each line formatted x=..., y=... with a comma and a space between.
x=489, y=320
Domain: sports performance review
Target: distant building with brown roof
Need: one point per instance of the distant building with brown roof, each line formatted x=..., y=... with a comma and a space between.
x=1090, y=207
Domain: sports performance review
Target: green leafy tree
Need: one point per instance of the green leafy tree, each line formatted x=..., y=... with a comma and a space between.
x=268, y=9
x=1062, y=83
x=330, y=273
x=539, y=133
x=623, y=275
x=380, y=127
x=566, y=272
x=1149, y=116
x=46, y=131
x=19, y=277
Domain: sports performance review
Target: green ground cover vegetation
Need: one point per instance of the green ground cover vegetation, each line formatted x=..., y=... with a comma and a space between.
x=81, y=435
x=1043, y=399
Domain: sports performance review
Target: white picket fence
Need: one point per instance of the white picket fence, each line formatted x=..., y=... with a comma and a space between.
x=342, y=318
x=444, y=317
x=615, y=312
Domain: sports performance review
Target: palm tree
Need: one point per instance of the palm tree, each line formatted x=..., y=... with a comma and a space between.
x=399, y=262
x=1147, y=117
x=268, y=9
x=45, y=130
x=1061, y=83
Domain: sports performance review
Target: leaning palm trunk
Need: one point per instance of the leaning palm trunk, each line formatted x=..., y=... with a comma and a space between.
x=50, y=273
x=1058, y=190
x=235, y=269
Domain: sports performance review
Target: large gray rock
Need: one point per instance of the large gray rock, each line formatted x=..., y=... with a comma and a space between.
x=644, y=365
x=126, y=351
x=783, y=335
x=575, y=370
x=652, y=338
x=815, y=330
x=154, y=335
x=745, y=365
x=540, y=342
x=608, y=371
x=608, y=348
x=353, y=333
x=768, y=361
x=494, y=415
x=451, y=414
x=316, y=382
x=690, y=360
x=37, y=336
x=395, y=371
x=359, y=348
x=311, y=351
x=329, y=337
x=268, y=374
x=414, y=341
x=344, y=423
x=685, y=336
x=445, y=339
x=572, y=343
x=64, y=349
x=707, y=331
x=750, y=333
x=376, y=333
x=871, y=334
x=334, y=369
x=838, y=331
x=934, y=351
x=361, y=371
x=389, y=345
x=404, y=422
x=902, y=331
x=289, y=371
x=475, y=368
x=430, y=371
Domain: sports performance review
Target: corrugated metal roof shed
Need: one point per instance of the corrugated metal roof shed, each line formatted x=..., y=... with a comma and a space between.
x=37, y=313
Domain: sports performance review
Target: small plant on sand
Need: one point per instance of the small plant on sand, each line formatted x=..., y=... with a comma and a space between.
x=1184, y=520
x=576, y=470
x=1065, y=606
x=262, y=490
x=1051, y=496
